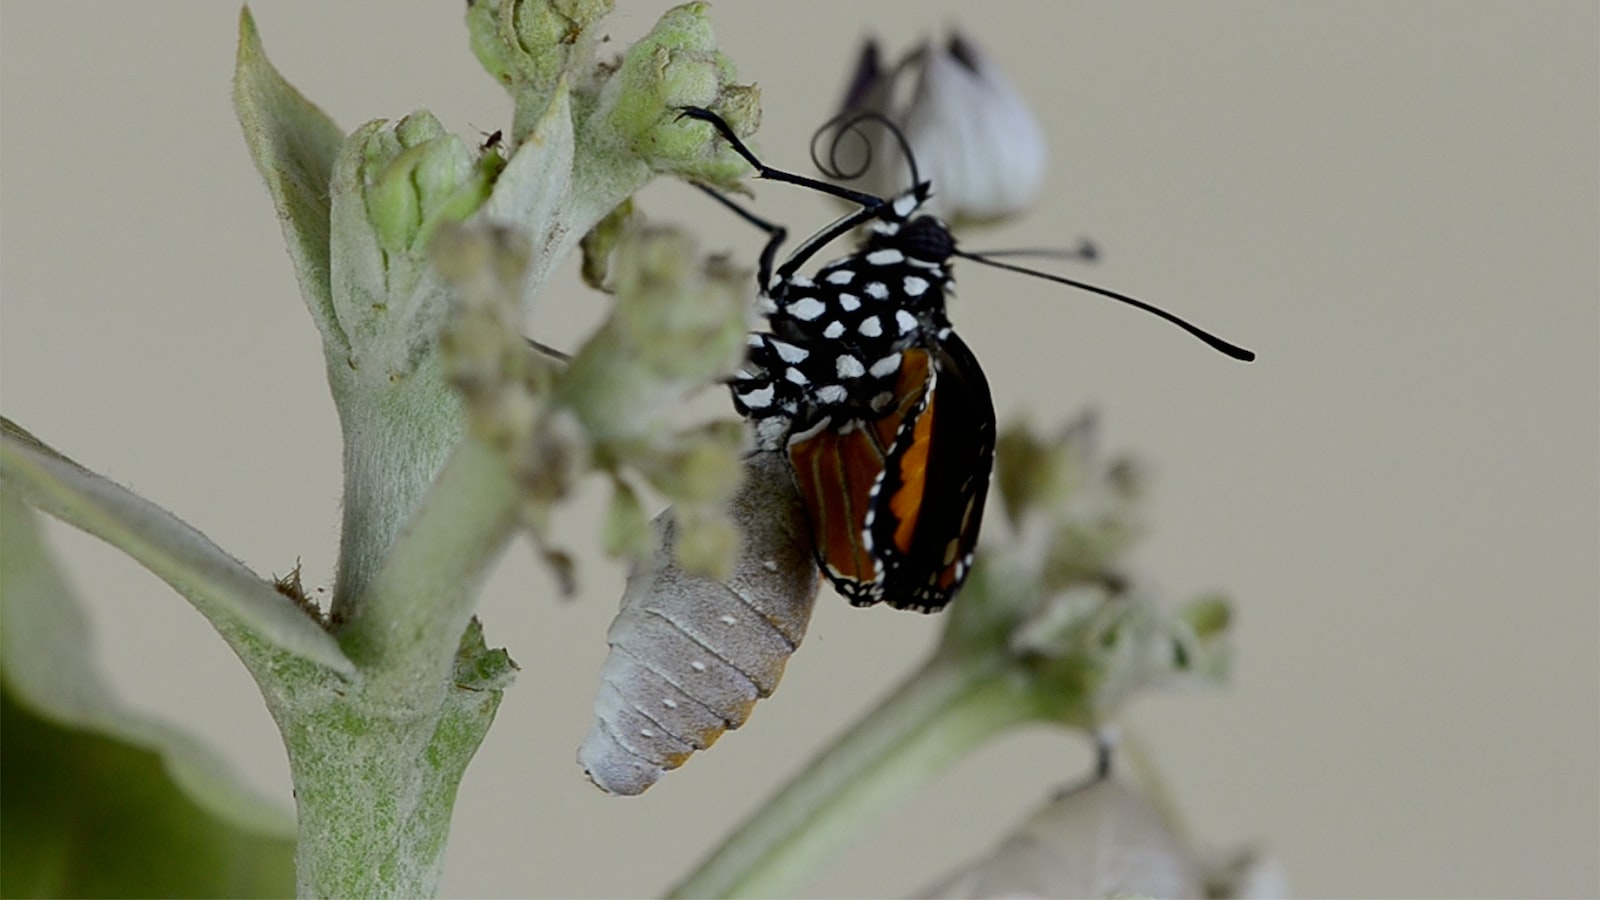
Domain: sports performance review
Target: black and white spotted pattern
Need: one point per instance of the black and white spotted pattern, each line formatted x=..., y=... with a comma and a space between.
x=833, y=352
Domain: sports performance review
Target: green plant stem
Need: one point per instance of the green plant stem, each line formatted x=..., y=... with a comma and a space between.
x=1156, y=786
x=396, y=436
x=377, y=760
x=403, y=630
x=374, y=787
x=940, y=713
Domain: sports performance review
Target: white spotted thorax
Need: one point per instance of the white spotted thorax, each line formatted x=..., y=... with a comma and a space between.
x=834, y=350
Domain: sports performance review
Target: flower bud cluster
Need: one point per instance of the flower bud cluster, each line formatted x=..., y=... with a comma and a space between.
x=1082, y=630
x=678, y=324
x=677, y=65
x=530, y=45
x=625, y=110
x=414, y=321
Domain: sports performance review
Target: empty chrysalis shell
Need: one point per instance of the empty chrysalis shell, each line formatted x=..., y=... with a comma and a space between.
x=690, y=655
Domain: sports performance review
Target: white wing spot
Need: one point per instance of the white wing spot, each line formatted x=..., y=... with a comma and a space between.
x=904, y=204
x=886, y=257
x=801, y=281
x=832, y=393
x=886, y=366
x=841, y=276
x=849, y=302
x=757, y=399
x=789, y=353
x=905, y=321
x=877, y=291
x=795, y=375
x=883, y=399
x=870, y=326
x=850, y=367
x=806, y=308
x=834, y=329
x=916, y=285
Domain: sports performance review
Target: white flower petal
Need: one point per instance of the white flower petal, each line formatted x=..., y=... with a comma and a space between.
x=974, y=136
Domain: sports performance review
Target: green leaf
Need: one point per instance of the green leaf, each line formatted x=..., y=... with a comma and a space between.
x=242, y=606
x=535, y=192
x=294, y=145
x=93, y=800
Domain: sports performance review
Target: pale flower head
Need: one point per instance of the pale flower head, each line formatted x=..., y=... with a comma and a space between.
x=971, y=132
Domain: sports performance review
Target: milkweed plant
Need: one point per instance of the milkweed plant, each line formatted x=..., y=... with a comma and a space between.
x=417, y=254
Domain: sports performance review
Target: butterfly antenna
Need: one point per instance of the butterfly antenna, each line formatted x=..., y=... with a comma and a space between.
x=848, y=122
x=1086, y=251
x=1216, y=343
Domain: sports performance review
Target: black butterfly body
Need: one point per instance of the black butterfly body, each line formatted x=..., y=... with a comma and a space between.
x=882, y=409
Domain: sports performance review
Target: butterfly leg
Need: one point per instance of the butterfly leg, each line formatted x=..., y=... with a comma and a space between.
x=872, y=206
x=776, y=234
x=765, y=171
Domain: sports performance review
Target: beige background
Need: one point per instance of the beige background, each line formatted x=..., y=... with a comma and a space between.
x=1395, y=204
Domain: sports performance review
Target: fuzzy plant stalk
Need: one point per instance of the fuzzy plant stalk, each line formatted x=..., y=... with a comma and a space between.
x=456, y=431
x=417, y=255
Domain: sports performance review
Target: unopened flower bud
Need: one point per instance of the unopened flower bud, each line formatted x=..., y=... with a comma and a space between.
x=677, y=65
x=678, y=325
x=1100, y=840
x=527, y=45
x=418, y=176
x=971, y=132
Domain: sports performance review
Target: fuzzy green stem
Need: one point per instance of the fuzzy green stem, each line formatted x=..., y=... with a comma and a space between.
x=403, y=630
x=395, y=438
x=375, y=784
x=377, y=760
x=941, y=712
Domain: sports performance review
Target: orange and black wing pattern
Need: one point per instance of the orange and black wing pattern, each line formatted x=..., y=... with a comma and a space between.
x=895, y=503
x=929, y=502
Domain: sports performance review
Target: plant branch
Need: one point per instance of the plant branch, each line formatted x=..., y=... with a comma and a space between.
x=253, y=617
x=940, y=713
